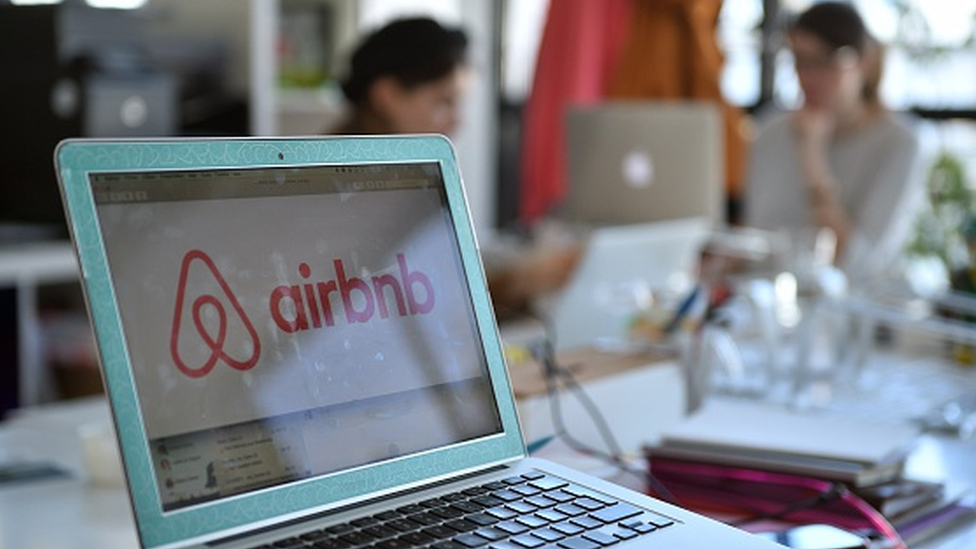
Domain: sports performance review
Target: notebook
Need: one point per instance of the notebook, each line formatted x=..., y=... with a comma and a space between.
x=624, y=271
x=643, y=161
x=299, y=350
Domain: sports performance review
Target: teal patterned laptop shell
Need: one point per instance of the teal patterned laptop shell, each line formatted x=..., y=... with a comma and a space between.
x=285, y=325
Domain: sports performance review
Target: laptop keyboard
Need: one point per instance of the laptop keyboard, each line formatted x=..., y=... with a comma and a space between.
x=528, y=511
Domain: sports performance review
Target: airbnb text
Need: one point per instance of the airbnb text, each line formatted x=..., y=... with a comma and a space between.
x=352, y=300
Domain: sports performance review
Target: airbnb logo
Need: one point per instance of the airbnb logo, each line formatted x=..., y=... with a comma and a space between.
x=295, y=308
x=214, y=337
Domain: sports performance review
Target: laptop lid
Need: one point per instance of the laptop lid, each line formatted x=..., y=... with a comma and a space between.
x=624, y=270
x=643, y=161
x=285, y=325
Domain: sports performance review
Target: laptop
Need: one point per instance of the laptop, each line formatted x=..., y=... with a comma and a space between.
x=625, y=270
x=299, y=350
x=643, y=161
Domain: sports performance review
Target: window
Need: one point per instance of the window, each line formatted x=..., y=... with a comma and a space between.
x=930, y=61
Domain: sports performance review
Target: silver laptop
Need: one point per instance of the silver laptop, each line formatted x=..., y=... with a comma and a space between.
x=299, y=351
x=642, y=161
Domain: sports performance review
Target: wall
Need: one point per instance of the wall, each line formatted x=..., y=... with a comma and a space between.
x=226, y=20
x=249, y=29
x=477, y=140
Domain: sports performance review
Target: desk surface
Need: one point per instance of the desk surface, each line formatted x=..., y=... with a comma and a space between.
x=74, y=512
x=62, y=512
x=584, y=364
x=907, y=381
x=940, y=458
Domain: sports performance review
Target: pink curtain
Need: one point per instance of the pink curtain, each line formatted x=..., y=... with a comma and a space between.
x=581, y=43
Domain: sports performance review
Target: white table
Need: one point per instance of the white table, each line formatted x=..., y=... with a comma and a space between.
x=77, y=513
x=72, y=512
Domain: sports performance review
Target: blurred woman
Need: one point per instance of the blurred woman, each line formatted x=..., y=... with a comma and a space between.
x=841, y=164
x=407, y=77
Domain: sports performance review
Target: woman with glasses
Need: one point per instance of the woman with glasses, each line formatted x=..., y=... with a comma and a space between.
x=841, y=164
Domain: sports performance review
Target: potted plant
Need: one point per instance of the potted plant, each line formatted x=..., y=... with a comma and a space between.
x=945, y=230
x=938, y=231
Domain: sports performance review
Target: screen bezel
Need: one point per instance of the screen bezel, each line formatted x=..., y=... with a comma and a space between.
x=76, y=159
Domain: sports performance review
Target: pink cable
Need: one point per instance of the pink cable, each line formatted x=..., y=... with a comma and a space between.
x=715, y=485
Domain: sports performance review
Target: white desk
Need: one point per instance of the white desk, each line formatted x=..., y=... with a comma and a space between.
x=905, y=382
x=60, y=513
x=73, y=513
x=638, y=395
x=947, y=458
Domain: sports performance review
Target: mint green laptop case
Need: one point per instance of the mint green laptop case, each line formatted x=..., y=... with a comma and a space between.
x=76, y=159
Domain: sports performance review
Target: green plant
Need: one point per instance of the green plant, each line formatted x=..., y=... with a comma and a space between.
x=938, y=230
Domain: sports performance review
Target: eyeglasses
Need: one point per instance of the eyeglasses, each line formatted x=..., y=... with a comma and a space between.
x=841, y=58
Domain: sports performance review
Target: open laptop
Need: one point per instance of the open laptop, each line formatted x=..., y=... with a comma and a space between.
x=299, y=350
x=642, y=161
x=625, y=270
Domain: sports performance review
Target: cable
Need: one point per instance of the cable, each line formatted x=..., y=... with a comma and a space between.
x=553, y=373
x=616, y=455
x=836, y=491
x=879, y=525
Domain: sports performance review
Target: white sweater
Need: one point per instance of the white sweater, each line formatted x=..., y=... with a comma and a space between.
x=879, y=180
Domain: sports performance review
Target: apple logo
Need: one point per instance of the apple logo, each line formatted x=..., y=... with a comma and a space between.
x=638, y=169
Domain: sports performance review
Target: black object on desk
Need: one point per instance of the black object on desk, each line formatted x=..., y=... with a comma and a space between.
x=28, y=471
x=9, y=355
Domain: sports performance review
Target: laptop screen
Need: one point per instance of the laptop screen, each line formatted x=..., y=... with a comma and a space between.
x=288, y=323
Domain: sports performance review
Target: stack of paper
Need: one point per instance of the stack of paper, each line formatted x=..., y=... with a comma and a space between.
x=955, y=506
x=902, y=497
x=710, y=458
x=767, y=436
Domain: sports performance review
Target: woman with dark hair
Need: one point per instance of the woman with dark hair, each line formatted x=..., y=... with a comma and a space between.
x=407, y=77
x=841, y=164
